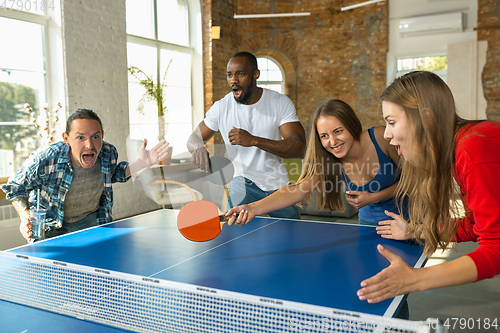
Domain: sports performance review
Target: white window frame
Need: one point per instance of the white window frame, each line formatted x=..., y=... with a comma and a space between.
x=194, y=48
x=392, y=64
x=51, y=22
x=282, y=82
x=44, y=22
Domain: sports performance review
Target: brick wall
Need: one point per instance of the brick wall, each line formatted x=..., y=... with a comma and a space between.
x=216, y=54
x=95, y=53
x=329, y=54
x=488, y=29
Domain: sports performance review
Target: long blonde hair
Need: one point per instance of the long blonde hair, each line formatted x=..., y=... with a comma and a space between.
x=428, y=180
x=322, y=164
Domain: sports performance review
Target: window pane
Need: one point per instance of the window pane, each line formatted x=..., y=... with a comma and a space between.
x=436, y=64
x=25, y=46
x=263, y=75
x=274, y=75
x=176, y=141
x=172, y=21
x=179, y=106
x=269, y=70
x=143, y=114
x=142, y=57
x=33, y=81
x=262, y=63
x=22, y=80
x=20, y=139
x=271, y=76
x=177, y=97
x=179, y=72
x=16, y=149
x=140, y=19
x=430, y=63
x=172, y=24
x=6, y=163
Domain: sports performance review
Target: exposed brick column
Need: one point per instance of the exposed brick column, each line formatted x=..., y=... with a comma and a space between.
x=95, y=53
x=488, y=29
x=217, y=53
x=206, y=22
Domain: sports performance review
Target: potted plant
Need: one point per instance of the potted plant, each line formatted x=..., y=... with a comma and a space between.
x=155, y=92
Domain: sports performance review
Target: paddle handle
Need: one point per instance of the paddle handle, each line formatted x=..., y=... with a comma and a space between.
x=223, y=219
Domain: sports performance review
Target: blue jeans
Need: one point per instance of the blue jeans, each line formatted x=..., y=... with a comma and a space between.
x=244, y=191
x=87, y=222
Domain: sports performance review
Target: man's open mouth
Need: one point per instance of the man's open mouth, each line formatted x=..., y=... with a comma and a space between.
x=237, y=91
x=88, y=157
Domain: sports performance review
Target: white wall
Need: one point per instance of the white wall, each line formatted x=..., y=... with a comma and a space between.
x=95, y=64
x=465, y=66
x=435, y=44
x=466, y=57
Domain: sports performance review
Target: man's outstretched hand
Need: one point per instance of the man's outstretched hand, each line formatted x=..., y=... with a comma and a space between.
x=150, y=157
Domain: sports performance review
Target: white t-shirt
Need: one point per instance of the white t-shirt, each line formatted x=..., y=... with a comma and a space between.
x=261, y=119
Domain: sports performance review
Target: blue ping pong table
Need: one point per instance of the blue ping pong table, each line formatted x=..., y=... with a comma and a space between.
x=276, y=261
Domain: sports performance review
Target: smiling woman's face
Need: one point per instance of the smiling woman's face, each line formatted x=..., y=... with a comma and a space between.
x=85, y=141
x=335, y=138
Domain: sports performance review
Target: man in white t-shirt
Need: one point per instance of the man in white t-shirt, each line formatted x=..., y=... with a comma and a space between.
x=260, y=127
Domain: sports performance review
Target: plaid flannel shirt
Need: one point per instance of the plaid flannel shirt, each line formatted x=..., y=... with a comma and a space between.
x=51, y=171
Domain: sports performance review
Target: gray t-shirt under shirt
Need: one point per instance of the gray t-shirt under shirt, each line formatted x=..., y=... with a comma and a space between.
x=84, y=193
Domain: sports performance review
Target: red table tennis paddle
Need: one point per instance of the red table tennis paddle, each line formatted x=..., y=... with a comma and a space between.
x=200, y=221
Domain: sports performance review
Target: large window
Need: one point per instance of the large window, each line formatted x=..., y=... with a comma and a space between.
x=435, y=64
x=271, y=75
x=160, y=37
x=22, y=80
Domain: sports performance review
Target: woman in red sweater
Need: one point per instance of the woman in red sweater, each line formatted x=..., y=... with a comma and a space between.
x=439, y=148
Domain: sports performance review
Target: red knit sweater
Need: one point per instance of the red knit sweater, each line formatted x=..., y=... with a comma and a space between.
x=477, y=170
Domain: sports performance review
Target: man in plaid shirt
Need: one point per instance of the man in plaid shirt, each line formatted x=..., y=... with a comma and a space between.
x=74, y=177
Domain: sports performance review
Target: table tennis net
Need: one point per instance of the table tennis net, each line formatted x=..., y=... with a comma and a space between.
x=146, y=304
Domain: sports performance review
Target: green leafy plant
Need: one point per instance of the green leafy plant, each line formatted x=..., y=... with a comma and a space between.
x=155, y=92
